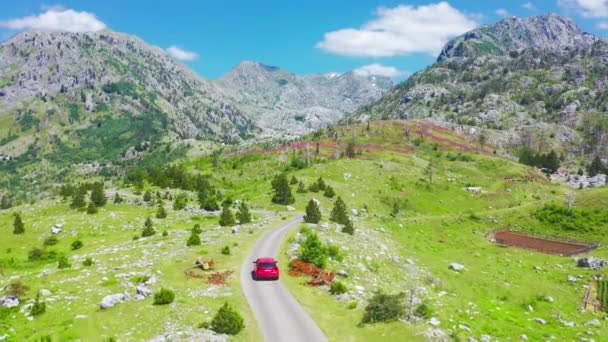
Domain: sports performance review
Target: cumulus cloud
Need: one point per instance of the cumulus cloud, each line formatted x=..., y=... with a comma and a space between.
x=502, y=12
x=529, y=6
x=57, y=19
x=400, y=30
x=587, y=8
x=603, y=25
x=181, y=54
x=379, y=70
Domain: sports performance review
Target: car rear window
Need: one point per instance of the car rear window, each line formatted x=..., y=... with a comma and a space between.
x=267, y=264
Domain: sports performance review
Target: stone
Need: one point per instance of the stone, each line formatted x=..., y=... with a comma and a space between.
x=456, y=267
x=55, y=230
x=530, y=308
x=9, y=301
x=355, y=211
x=290, y=208
x=342, y=273
x=143, y=292
x=234, y=230
x=539, y=320
x=594, y=321
x=485, y=338
x=434, y=322
x=45, y=293
x=572, y=279
x=549, y=299
x=111, y=300
x=523, y=337
x=324, y=225
x=464, y=327
x=591, y=262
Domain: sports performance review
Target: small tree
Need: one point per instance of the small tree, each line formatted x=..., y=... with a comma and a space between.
x=39, y=307
x=293, y=180
x=321, y=183
x=17, y=289
x=5, y=203
x=313, y=214
x=193, y=240
x=98, y=194
x=243, y=215
x=384, y=308
x=348, y=227
x=92, y=208
x=428, y=171
x=313, y=251
x=227, y=321
x=78, y=199
x=164, y=296
x=148, y=228
x=63, y=263
x=76, y=245
x=595, y=167
x=147, y=196
x=117, y=198
x=350, y=150
x=180, y=201
x=282, y=191
x=226, y=217
x=161, y=213
x=301, y=188
x=18, y=226
x=329, y=192
x=338, y=213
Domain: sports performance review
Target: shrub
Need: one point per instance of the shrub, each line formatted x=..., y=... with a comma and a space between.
x=337, y=288
x=226, y=250
x=165, y=233
x=180, y=201
x=197, y=229
x=139, y=279
x=163, y=297
x=17, y=289
x=35, y=254
x=329, y=192
x=335, y=253
x=76, y=245
x=226, y=217
x=148, y=228
x=384, y=308
x=161, y=213
x=92, y=208
x=243, y=215
x=338, y=213
x=227, y=321
x=147, y=196
x=293, y=180
x=39, y=307
x=348, y=227
x=424, y=310
x=301, y=188
x=313, y=251
x=204, y=325
x=88, y=262
x=117, y=198
x=63, y=263
x=51, y=240
x=18, y=226
x=193, y=240
x=352, y=305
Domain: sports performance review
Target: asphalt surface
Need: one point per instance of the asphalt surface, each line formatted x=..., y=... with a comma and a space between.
x=279, y=315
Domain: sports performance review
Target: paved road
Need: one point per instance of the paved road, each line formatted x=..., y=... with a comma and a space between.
x=279, y=315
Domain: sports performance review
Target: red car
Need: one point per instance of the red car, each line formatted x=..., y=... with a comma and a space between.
x=265, y=268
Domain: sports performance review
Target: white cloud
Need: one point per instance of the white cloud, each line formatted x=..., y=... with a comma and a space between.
x=56, y=19
x=379, y=70
x=602, y=25
x=529, y=6
x=180, y=54
x=401, y=30
x=586, y=8
x=502, y=12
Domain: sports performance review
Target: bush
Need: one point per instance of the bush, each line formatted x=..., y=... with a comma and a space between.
x=17, y=289
x=424, y=310
x=227, y=321
x=63, y=263
x=282, y=191
x=88, y=262
x=148, y=228
x=339, y=213
x=329, y=192
x=313, y=251
x=193, y=240
x=165, y=233
x=139, y=279
x=51, y=240
x=163, y=297
x=348, y=227
x=39, y=307
x=197, y=229
x=204, y=325
x=35, y=254
x=18, y=226
x=226, y=250
x=337, y=288
x=180, y=201
x=76, y=245
x=161, y=213
x=243, y=215
x=335, y=253
x=384, y=308
x=226, y=217
x=92, y=208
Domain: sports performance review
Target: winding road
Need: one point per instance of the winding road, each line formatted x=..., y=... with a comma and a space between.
x=279, y=315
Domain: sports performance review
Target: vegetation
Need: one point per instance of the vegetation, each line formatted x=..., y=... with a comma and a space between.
x=193, y=240
x=161, y=213
x=338, y=213
x=164, y=296
x=76, y=245
x=313, y=251
x=313, y=213
x=148, y=228
x=39, y=307
x=571, y=219
x=282, y=191
x=226, y=250
x=227, y=217
x=602, y=293
x=348, y=227
x=63, y=263
x=243, y=214
x=18, y=226
x=337, y=288
x=548, y=162
x=384, y=308
x=227, y=321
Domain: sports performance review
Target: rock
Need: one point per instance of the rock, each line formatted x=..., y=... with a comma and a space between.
x=485, y=338
x=55, y=230
x=591, y=262
x=342, y=273
x=234, y=230
x=290, y=208
x=81, y=316
x=45, y=292
x=530, y=308
x=111, y=300
x=474, y=189
x=594, y=321
x=523, y=337
x=539, y=320
x=355, y=211
x=9, y=301
x=434, y=322
x=568, y=324
x=143, y=292
x=464, y=327
x=572, y=279
x=324, y=225
x=549, y=299
x=456, y=267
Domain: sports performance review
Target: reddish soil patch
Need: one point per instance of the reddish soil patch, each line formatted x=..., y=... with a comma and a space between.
x=550, y=246
x=317, y=275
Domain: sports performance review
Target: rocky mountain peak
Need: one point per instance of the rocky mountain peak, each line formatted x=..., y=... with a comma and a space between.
x=546, y=32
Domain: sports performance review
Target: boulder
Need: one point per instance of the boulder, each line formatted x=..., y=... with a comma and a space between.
x=111, y=300
x=342, y=273
x=572, y=279
x=355, y=211
x=434, y=322
x=591, y=262
x=234, y=230
x=9, y=301
x=456, y=267
x=594, y=321
x=45, y=293
x=55, y=230
x=539, y=320
x=290, y=208
x=143, y=292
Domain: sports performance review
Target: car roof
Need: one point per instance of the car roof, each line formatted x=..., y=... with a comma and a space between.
x=266, y=259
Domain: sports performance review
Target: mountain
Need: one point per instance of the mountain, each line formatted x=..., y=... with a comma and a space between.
x=285, y=104
x=537, y=82
x=96, y=96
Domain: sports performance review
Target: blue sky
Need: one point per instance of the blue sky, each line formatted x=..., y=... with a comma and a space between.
x=301, y=36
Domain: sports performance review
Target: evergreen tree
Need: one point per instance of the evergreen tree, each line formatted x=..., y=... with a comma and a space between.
x=78, y=200
x=428, y=171
x=301, y=188
x=39, y=307
x=350, y=150
x=98, y=195
x=314, y=187
x=282, y=191
x=18, y=226
x=338, y=213
x=211, y=204
x=321, y=184
x=180, y=201
x=148, y=228
x=147, y=196
x=595, y=167
x=193, y=240
x=329, y=192
x=243, y=214
x=91, y=208
x=580, y=172
x=293, y=180
x=161, y=213
x=348, y=227
x=6, y=202
x=551, y=162
x=117, y=198
x=226, y=217
x=313, y=213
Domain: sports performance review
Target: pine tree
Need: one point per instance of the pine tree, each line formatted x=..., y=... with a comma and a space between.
x=313, y=214
x=117, y=198
x=428, y=171
x=97, y=195
x=19, y=227
x=293, y=180
x=243, y=214
x=551, y=162
x=193, y=240
x=282, y=191
x=78, y=200
x=91, y=208
x=596, y=167
x=348, y=227
x=338, y=213
x=321, y=183
x=301, y=188
x=350, y=150
x=148, y=228
x=226, y=217
x=329, y=192
x=6, y=202
x=161, y=213
x=147, y=196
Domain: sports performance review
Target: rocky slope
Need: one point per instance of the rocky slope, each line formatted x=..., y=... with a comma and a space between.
x=284, y=104
x=540, y=82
